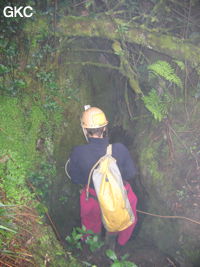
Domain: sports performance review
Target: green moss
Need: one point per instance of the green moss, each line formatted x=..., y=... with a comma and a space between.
x=149, y=161
x=77, y=25
x=17, y=141
x=26, y=118
x=193, y=256
x=19, y=127
x=37, y=29
x=47, y=247
x=13, y=176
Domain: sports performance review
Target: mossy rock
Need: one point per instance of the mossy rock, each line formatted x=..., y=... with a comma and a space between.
x=47, y=250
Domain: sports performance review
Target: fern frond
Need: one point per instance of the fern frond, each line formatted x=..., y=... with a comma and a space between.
x=157, y=106
x=165, y=70
x=180, y=64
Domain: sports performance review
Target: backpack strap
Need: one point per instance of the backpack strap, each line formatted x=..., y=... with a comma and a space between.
x=108, y=152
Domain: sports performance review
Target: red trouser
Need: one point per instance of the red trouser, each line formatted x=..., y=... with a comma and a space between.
x=91, y=213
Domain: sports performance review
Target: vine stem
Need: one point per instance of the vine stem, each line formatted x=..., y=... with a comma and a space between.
x=168, y=216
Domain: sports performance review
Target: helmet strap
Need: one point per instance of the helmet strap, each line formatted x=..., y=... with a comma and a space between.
x=85, y=133
x=105, y=132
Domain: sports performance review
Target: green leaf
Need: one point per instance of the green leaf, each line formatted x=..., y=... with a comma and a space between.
x=123, y=264
x=157, y=106
x=89, y=3
x=125, y=256
x=87, y=263
x=117, y=264
x=111, y=254
x=79, y=246
x=79, y=236
x=59, y=253
x=3, y=69
x=3, y=205
x=83, y=228
x=129, y=264
x=95, y=238
x=165, y=70
x=68, y=238
x=180, y=64
x=7, y=229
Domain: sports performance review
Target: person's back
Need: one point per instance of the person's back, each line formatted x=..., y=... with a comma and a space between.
x=82, y=159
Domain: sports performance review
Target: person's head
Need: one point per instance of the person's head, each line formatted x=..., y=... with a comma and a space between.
x=94, y=123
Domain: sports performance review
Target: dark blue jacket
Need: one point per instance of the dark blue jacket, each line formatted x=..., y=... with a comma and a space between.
x=83, y=157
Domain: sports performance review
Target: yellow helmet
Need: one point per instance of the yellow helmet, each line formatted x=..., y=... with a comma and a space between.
x=93, y=118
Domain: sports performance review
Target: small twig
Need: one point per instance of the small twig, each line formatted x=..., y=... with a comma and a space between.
x=24, y=254
x=16, y=255
x=6, y=264
x=171, y=262
x=27, y=215
x=23, y=224
x=81, y=3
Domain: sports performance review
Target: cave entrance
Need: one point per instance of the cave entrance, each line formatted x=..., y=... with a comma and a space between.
x=109, y=90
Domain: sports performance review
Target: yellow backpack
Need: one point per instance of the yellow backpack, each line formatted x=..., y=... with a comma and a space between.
x=116, y=211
